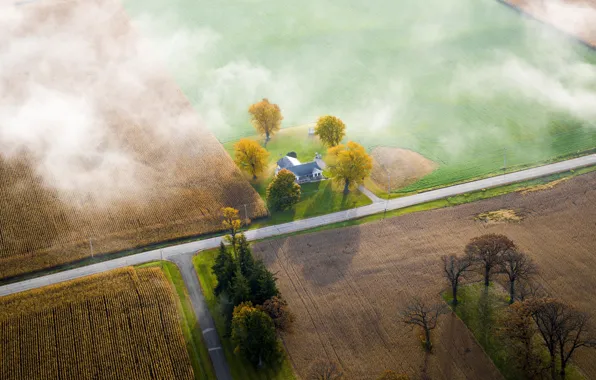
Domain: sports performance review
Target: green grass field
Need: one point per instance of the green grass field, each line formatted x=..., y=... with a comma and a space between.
x=480, y=310
x=197, y=350
x=241, y=369
x=470, y=84
x=318, y=198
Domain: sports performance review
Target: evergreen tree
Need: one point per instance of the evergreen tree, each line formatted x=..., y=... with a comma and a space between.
x=246, y=261
x=240, y=288
x=253, y=334
x=224, y=270
x=262, y=284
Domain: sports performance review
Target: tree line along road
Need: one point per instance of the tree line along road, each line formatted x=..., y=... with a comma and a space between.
x=171, y=252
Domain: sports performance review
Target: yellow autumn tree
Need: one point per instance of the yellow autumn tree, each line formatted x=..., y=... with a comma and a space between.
x=232, y=223
x=251, y=157
x=330, y=129
x=266, y=118
x=349, y=164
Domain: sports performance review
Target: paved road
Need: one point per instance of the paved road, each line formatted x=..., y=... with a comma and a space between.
x=184, y=263
x=300, y=225
x=182, y=254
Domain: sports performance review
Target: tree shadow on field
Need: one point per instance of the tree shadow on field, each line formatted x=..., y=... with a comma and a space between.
x=322, y=258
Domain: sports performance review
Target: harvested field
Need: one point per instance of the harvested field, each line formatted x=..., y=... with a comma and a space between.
x=122, y=324
x=404, y=166
x=346, y=286
x=574, y=17
x=99, y=149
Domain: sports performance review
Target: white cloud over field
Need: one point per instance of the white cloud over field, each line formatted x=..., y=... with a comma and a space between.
x=67, y=78
x=76, y=81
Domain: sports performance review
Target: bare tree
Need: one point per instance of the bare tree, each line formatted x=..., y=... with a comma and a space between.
x=516, y=266
x=454, y=268
x=488, y=250
x=419, y=313
x=563, y=328
x=528, y=289
x=573, y=333
x=325, y=370
x=546, y=313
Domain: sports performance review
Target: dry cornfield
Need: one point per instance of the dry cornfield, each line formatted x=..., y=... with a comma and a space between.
x=121, y=324
x=348, y=285
x=143, y=170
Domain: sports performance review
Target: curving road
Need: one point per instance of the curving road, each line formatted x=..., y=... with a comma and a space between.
x=170, y=253
x=181, y=254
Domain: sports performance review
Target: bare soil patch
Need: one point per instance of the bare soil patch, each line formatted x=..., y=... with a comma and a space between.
x=574, y=17
x=144, y=169
x=347, y=286
x=404, y=166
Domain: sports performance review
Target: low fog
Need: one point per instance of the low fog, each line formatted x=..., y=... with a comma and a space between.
x=69, y=78
x=442, y=53
x=77, y=82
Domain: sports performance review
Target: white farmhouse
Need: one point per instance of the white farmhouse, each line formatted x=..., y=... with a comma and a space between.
x=308, y=172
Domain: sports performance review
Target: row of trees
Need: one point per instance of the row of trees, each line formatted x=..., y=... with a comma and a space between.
x=249, y=294
x=266, y=118
x=489, y=254
x=561, y=328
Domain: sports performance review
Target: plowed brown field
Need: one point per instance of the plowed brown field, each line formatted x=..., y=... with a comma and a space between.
x=132, y=165
x=347, y=285
x=119, y=325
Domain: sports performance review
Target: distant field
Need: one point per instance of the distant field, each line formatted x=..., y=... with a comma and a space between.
x=583, y=27
x=126, y=163
x=122, y=324
x=347, y=285
x=472, y=85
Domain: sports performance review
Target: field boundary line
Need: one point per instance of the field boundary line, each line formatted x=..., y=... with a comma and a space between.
x=172, y=252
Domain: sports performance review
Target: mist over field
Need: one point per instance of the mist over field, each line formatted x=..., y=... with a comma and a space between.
x=438, y=78
x=385, y=67
x=77, y=83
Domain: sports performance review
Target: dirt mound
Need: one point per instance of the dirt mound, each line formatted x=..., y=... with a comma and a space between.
x=545, y=186
x=404, y=166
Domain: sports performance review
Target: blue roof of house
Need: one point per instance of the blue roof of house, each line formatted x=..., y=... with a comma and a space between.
x=304, y=169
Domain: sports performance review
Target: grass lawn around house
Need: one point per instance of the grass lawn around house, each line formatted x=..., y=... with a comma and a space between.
x=317, y=198
x=294, y=139
x=241, y=368
x=480, y=309
x=197, y=350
